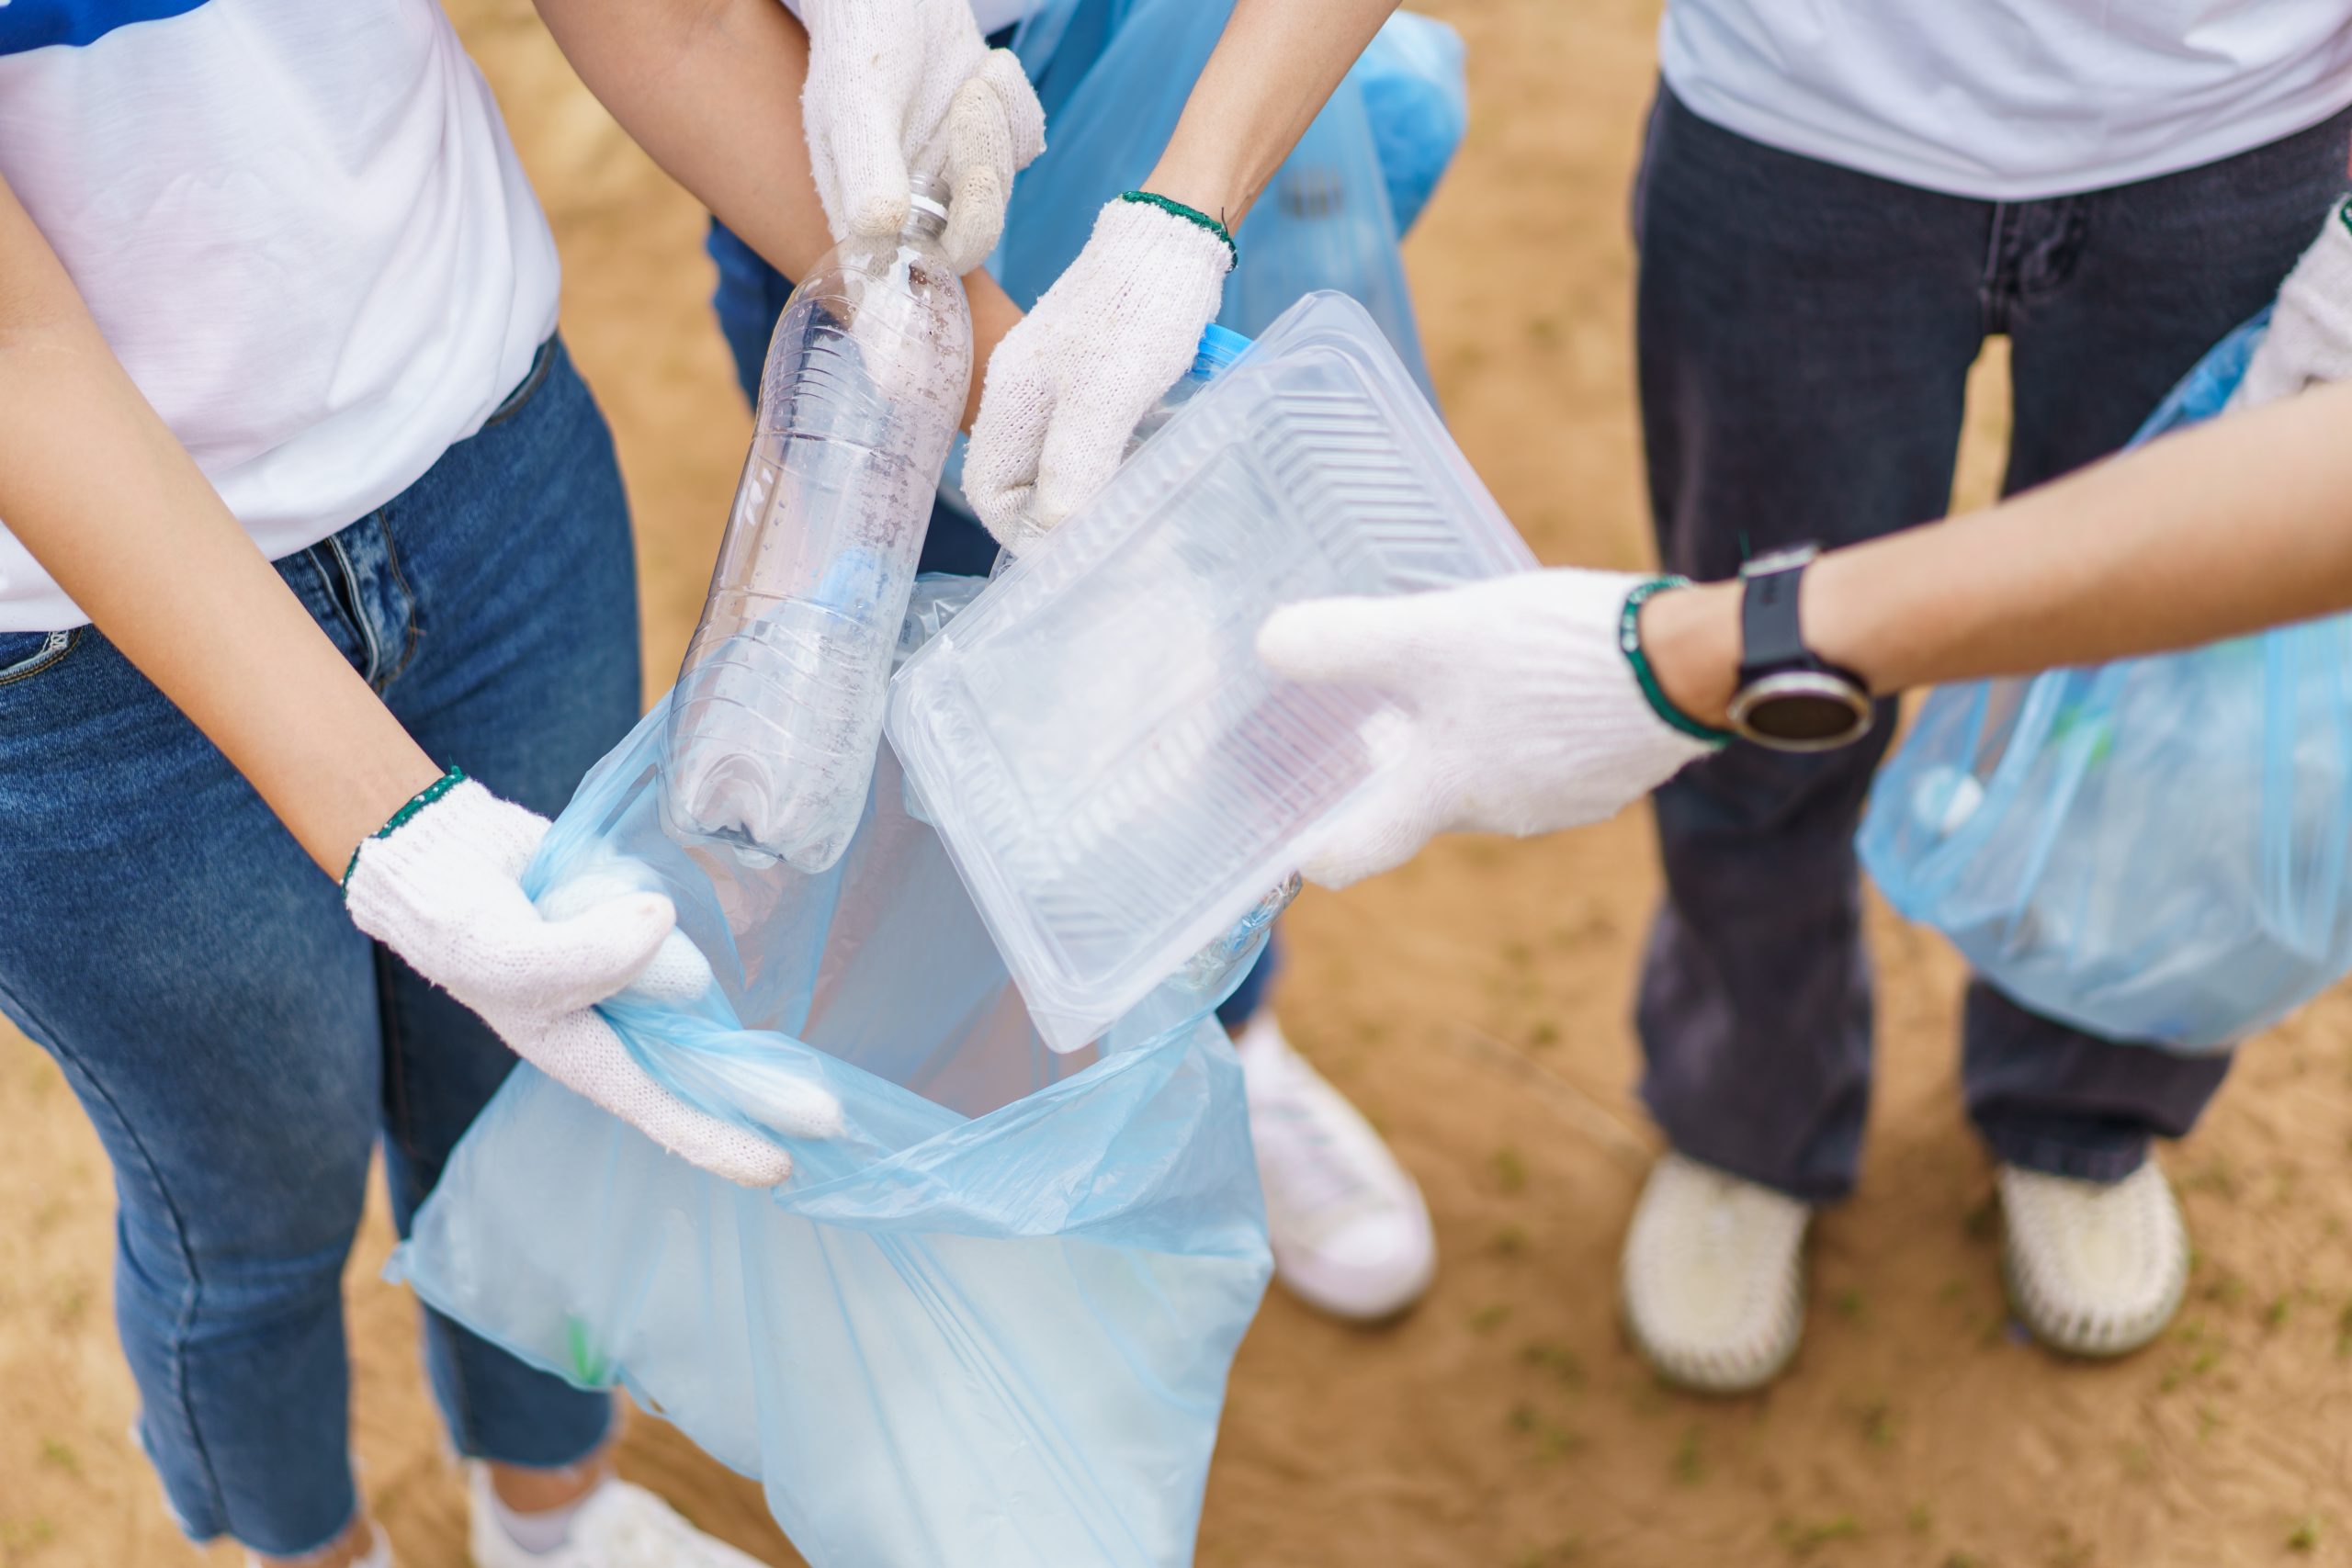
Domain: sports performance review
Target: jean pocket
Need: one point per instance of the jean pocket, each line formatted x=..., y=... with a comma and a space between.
x=526, y=388
x=24, y=655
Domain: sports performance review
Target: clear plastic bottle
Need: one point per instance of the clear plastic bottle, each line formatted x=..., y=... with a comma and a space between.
x=778, y=709
x=1218, y=348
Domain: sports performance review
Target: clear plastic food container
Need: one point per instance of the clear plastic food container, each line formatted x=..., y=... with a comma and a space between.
x=1116, y=776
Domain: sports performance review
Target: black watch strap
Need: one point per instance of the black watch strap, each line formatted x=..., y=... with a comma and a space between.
x=1770, y=637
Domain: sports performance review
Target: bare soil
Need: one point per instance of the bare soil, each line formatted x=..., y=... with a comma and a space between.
x=1475, y=1003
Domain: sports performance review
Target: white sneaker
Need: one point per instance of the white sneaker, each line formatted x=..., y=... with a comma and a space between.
x=620, y=1526
x=1350, y=1228
x=2094, y=1267
x=379, y=1555
x=1714, y=1277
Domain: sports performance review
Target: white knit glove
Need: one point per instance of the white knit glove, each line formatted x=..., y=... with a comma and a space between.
x=2310, y=338
x=1522, y=713
x=904, y=87
x=444, y=890
x=1066, y=386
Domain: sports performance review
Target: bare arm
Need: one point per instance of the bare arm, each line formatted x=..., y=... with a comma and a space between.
x=113, y=508
x=2236, y=525
x=711, y=90
x=1273, y=69
x=1067, y=386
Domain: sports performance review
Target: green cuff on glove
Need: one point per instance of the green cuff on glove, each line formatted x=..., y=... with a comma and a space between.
x=1629, y=641
x=416, y=802
x=1193, y=215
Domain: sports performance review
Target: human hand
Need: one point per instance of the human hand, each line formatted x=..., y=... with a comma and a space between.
x=442, y=887
x=2310, y=338
x=1520, y=710
x=1067, y=385
x=904, y=88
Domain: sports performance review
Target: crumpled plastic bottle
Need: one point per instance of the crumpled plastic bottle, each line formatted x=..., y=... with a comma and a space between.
x=779, y=702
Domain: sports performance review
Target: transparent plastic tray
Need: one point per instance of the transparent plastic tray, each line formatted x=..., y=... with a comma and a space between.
x=1116, y=776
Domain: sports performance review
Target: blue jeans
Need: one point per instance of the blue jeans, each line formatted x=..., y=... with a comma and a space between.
x=239, y=1044
x=750, y=298
x=1805, y=334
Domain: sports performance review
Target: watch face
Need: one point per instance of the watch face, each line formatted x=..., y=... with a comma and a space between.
x=1802, y=710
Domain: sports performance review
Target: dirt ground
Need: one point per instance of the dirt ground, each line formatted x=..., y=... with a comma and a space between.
x=1475, y=1003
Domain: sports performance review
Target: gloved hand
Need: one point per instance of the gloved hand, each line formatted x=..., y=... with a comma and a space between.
x=2309, y=339
x=902, y=88
x=1067, y=385
x=442, y=887
x=1521, y=712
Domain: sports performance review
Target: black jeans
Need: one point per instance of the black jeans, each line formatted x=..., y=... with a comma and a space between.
x=1804, y=336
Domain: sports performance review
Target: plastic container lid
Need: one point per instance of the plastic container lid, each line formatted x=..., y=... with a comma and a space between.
x=1116, y=776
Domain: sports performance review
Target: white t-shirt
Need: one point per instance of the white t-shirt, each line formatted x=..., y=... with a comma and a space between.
x=302, y=228
x=2010, y=99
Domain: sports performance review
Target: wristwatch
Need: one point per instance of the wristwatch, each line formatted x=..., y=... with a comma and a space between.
x=1789, y=698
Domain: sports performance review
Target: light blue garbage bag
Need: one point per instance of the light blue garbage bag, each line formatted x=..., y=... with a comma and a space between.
x=1325, y=221
x=2155, y=850
x=1113, y=74
x=1415, y=89
x=988, y=1326
x=1416, y=97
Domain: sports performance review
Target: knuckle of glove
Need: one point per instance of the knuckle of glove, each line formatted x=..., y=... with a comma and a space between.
x=598, y=1067
x=1080, y=457
x=979, y=134
x=1015, y=405
x=1023, y=116
x=679, y=972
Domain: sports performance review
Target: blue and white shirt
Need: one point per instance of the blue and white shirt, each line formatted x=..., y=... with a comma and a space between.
x=301, y=227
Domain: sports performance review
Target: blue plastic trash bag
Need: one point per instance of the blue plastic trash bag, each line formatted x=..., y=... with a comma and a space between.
x=1417, y=100
x=987, y=1325
x=1324, y=223
x=1415, y=90
x=2157, y=849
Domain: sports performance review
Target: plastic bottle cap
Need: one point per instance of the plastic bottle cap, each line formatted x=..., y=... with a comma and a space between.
x=1220, y=345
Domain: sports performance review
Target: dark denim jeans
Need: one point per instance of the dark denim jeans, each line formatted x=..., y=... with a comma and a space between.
x=240, y=1045
x=750, y=298
x=1804, y=336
